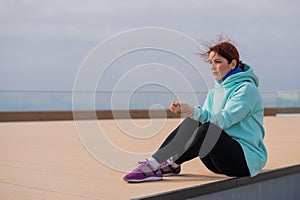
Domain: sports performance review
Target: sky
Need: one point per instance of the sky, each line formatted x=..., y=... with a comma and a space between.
x=44, y=42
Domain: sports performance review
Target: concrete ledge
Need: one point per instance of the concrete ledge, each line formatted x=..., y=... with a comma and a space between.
x=234, y=183
x=108, y=114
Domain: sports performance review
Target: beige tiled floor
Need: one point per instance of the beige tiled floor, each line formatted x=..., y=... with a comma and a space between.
x=46, y=160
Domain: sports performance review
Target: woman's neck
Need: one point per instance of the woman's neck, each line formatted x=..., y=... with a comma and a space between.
x=231, y=72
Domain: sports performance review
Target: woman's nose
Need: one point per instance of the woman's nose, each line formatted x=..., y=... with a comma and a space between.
x=212, y=66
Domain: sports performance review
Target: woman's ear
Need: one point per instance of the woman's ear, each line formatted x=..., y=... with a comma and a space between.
x=233, y=64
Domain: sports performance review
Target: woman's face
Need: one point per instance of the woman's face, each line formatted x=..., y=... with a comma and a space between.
x=219, y=65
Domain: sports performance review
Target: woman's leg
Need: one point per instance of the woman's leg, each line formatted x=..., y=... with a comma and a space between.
x=222, y=153
x=176, y=141
x=226, y=155
x=192, y=149
x=209, y=164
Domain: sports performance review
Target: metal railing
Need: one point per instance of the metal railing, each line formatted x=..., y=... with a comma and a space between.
x=62, y=100
x=57, y=105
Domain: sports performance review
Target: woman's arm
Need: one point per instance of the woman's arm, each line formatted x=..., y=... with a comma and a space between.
x=240, y=104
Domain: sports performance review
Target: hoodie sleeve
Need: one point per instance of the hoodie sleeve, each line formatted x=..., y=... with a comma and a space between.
x=238, y=106
x=198, y=110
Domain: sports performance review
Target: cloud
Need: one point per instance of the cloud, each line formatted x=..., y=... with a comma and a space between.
x=56, y=35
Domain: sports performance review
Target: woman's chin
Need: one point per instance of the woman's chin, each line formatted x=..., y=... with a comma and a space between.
x=217, y=78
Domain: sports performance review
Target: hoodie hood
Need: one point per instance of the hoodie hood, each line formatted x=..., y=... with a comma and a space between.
x=247, y=75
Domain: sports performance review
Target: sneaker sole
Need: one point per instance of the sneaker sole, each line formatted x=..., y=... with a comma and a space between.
x=144, y=180
x=171, y=174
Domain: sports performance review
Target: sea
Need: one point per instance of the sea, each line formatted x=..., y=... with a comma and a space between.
x=107, y=100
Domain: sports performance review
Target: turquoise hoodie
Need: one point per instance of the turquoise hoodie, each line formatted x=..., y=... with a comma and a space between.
x=235, y=105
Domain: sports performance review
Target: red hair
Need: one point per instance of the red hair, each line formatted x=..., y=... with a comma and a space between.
x=225, y=49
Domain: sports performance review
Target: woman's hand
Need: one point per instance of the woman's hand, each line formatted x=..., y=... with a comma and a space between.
x=182, y=108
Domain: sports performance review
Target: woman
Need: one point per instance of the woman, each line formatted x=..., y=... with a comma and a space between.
x=226, y=133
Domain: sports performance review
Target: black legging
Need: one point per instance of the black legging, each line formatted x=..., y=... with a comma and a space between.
x=217, y=150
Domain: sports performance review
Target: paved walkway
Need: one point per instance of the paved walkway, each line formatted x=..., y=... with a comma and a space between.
x=46, y=160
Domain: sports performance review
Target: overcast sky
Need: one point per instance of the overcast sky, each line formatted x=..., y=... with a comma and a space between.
x=44, y=42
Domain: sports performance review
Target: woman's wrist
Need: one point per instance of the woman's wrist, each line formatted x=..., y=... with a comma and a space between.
x=191, y=112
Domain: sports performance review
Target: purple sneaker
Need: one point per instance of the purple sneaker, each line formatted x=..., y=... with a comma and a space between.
x=143, y=172
x=167, y=168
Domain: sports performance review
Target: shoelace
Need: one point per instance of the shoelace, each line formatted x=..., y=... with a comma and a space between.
x=141, y=165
